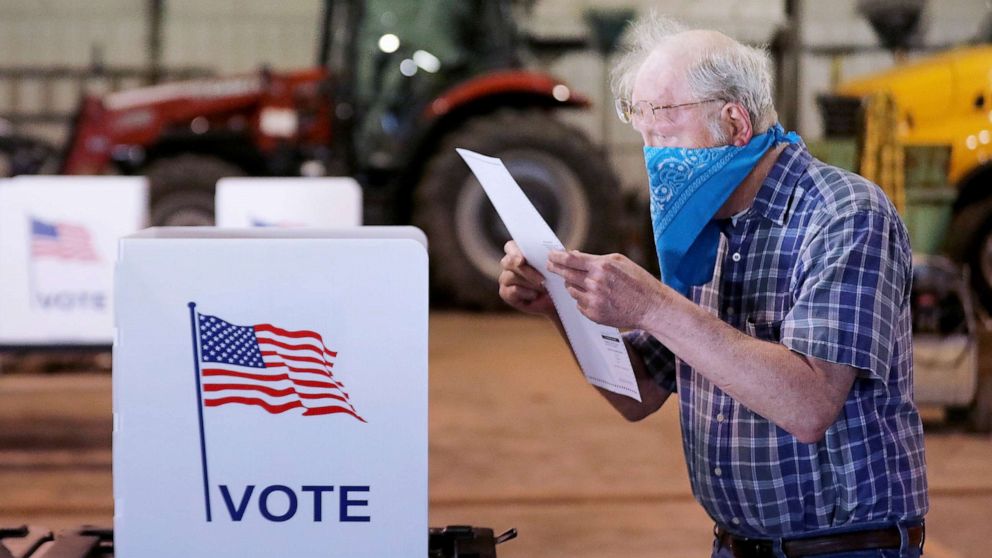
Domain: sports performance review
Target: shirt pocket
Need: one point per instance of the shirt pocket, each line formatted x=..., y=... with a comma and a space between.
x=764, y=318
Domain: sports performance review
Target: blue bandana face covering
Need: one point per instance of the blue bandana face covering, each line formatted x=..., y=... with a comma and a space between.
x=688, y=186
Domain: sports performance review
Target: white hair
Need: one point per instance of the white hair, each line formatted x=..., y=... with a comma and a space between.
x=728, y=71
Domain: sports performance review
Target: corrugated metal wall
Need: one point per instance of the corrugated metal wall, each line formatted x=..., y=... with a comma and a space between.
x=62, y=32
x=241, y=35
x=236, y=35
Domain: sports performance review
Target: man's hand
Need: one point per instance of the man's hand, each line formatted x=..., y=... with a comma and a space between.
x=522, y=286
x=611, y=289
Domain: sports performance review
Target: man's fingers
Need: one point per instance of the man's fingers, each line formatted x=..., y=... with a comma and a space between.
x=576, y=286
x=522, y=293
x=513, y=257
x=573, y=259
x=513, y=291
x=512, y=260
x=570, y=275
x=576, y=293
x=515, y=261
x=508, y=277
x=526, y=277
x=532, y=275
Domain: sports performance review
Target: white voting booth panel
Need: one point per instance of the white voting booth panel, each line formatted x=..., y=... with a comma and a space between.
x=285, y=414
x=58, y=241
x=288, y=202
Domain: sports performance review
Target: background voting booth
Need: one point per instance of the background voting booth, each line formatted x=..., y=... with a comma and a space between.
x=270, y=393
x=288, y=202
x=58, y=241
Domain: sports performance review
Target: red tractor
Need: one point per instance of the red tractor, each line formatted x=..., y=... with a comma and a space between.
x=399, y=85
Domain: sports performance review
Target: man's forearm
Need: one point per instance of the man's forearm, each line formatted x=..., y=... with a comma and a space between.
x=766, y=377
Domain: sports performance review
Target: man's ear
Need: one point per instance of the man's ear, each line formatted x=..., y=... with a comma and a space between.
x=736, y=118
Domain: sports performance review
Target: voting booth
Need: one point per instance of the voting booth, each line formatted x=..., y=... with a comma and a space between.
x=270, y=393
x=288, y=202
x=58, y=241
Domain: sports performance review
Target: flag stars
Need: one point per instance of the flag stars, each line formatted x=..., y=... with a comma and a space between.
x=223, y=342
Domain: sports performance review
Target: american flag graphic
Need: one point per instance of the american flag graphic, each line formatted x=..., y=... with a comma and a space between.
x=61, y=241
x=273, y=368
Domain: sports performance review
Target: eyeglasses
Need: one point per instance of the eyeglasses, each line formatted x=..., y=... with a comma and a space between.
x=646, y=110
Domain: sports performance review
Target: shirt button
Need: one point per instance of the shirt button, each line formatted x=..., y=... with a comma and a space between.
x=717, y=471
x=735, y=520
x=720, y=417
x=736, y=257
x=730, y=310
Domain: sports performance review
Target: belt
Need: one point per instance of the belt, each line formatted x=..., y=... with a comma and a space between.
x=742, y=547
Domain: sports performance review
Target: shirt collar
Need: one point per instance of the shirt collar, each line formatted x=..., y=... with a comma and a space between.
x=773, y=198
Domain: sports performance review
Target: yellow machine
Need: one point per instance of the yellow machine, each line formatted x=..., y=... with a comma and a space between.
x=942, y=99
x=908, y=131
x=946, y=100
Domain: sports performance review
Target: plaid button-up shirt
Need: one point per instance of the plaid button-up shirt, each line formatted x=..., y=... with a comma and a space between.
x=821, y=264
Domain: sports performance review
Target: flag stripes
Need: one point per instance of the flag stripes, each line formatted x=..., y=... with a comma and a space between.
x=269, y=378
x=281, y=408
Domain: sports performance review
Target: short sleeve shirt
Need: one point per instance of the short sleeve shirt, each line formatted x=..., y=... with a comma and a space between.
x=821, y=264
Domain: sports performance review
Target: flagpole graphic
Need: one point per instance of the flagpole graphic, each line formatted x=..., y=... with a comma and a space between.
x=199, y=407
x=32, y=288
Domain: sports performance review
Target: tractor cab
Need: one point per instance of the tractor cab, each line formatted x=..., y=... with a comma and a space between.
x=409, y=53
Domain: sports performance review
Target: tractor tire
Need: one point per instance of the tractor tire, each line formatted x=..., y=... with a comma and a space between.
x=980, y=411
x=567, y=179
x=182, y=189
x=977, y=416
x=974, y=223
x=25, y=155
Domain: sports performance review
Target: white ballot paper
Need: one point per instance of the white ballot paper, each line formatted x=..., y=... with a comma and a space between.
x=599, y=349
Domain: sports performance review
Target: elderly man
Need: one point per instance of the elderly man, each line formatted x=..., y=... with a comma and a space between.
x=782, y=318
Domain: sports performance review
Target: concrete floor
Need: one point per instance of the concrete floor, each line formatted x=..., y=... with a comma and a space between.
x=517, y=439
